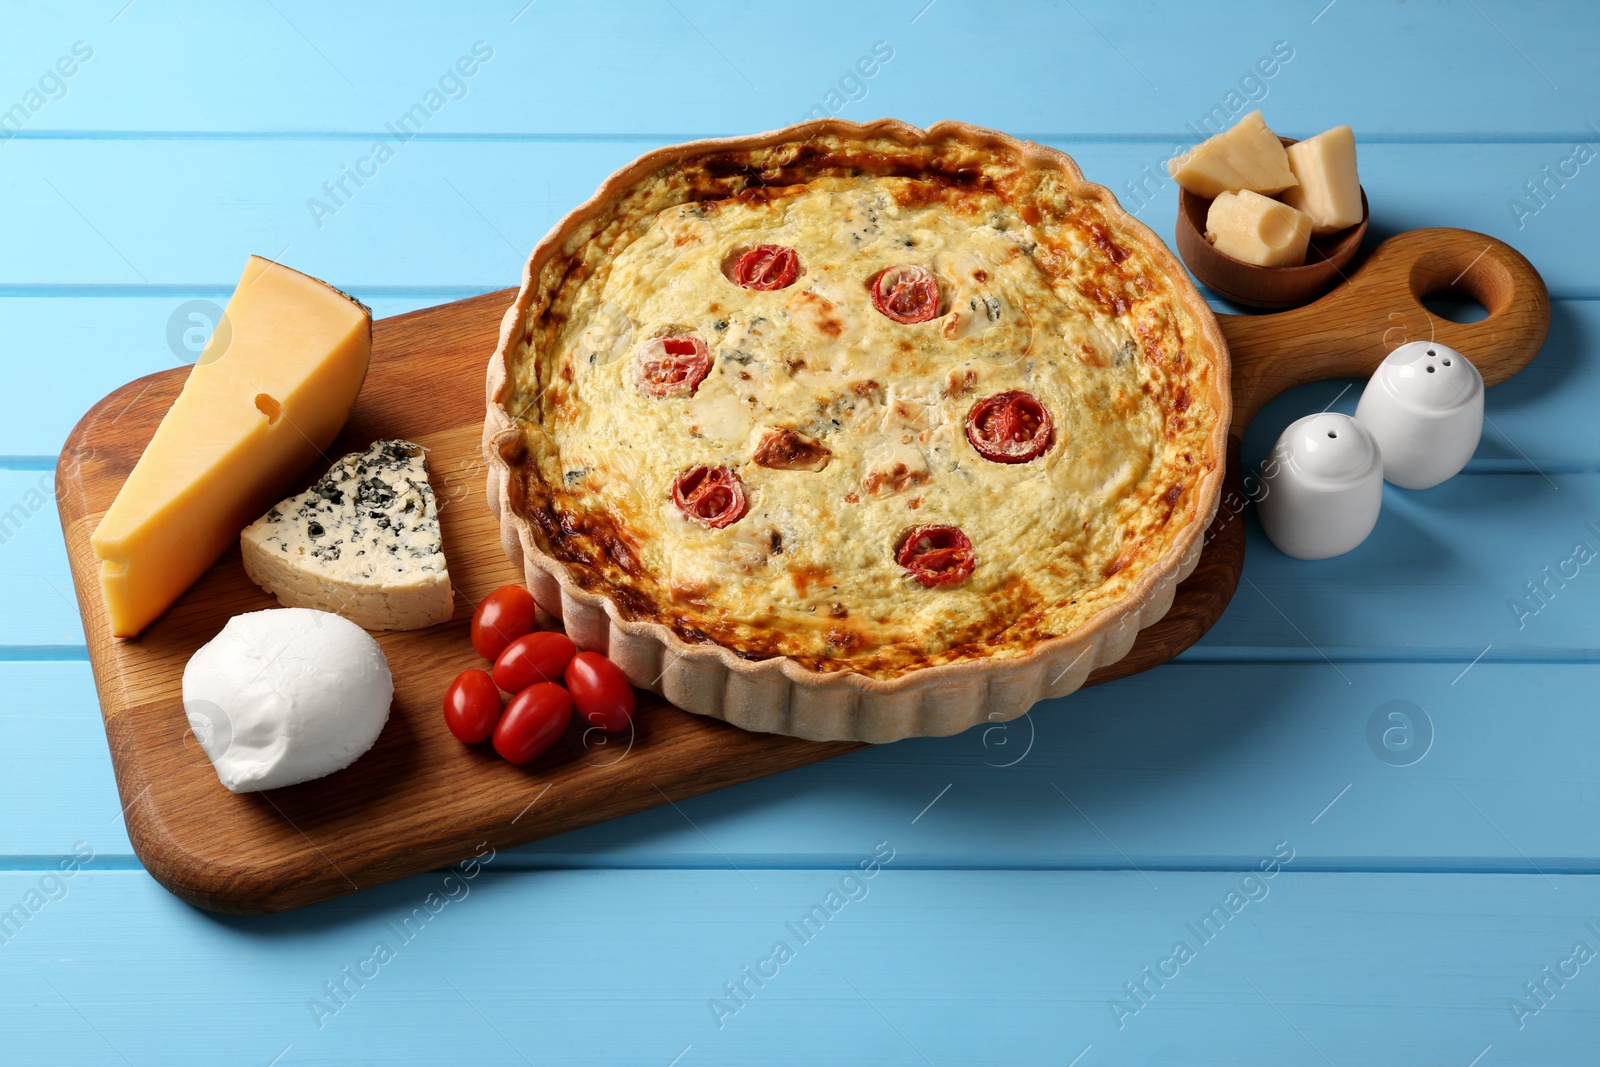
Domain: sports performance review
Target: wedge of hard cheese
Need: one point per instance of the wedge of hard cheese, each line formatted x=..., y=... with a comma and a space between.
x=1256, y=229
x=1329, y=192
x=363, y=542
x=272, y=388
x=1246, y=156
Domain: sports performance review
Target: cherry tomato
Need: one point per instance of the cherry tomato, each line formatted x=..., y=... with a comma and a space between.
x=600, y=691
x=505, y=615
x=532, y=722
x=671, y=366
x=472, y=706
x=906, y=294
x=767, y=267
x=710, y=495
x=937, y=555
x=531, y=658
x=1010, y=427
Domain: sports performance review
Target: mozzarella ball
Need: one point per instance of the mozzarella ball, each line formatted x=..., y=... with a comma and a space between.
x=285, y=696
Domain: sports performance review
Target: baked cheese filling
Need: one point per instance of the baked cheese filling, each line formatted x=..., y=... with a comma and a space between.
x=871, y=423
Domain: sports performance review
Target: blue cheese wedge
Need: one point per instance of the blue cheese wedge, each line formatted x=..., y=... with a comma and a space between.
x=363, y=542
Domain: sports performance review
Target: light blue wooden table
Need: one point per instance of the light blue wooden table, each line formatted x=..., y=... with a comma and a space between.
x=1432, y=897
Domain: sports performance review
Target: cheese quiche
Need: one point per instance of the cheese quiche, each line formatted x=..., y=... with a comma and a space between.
x=844, y=416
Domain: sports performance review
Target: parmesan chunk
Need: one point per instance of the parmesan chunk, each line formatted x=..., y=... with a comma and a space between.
x=1247, y=156
x=1254, y=229
x=1329, y=192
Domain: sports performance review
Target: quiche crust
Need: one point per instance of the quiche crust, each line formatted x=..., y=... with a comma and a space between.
x=848, y=428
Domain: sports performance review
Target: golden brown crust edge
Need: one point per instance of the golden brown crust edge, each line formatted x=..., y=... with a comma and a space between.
x=779, y=695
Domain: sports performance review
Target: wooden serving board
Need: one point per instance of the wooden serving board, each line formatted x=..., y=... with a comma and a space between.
x=421, y=799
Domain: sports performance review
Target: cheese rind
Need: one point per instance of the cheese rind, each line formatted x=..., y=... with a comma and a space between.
x=1245, y=156
x=1255, y=229
x=267, y=395
x=363, y=542
x=1329, y=192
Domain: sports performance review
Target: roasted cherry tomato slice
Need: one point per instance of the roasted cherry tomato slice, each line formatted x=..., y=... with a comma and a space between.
x=536, y=657
x=936, y=555
x=472, y=706
x=710, y=495
x=505, y=615
x=1010, y=427
x=767, y=267
x=671, y=366
x=906, y=294
x=533, y=721
x=600, y=692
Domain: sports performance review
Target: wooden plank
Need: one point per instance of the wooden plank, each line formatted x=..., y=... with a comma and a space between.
x=1446, y=573
x=1187, y=766
x=468, y=214
x=33, y=566
x=980, y=967
x=157, y=68
x=55, y=773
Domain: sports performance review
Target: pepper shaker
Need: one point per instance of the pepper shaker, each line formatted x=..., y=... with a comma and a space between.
x=1322, y=487
x=1424, y=406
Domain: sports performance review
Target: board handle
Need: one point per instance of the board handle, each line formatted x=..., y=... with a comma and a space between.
x=1379, y=307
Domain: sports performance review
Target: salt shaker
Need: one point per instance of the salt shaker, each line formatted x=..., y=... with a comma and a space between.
x=1424, y=405
x=1322, y=487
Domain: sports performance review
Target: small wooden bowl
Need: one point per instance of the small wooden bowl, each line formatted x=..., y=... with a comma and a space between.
x=1265, y=287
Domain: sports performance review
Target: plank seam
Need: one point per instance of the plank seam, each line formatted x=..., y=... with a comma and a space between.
x=1179, y=137
x=508, y=864
x=44, y=653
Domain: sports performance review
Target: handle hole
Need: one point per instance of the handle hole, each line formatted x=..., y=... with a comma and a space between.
x=1455, y=306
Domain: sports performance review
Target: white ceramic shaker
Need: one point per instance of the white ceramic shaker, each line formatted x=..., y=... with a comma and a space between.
x=1322, y=487
x=1424, y=405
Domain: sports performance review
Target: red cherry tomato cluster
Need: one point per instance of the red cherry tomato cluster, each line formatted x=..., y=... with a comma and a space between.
x=767, y=267
x=937, y=554
x=713, y=496
x=671, y=366
x=1010, y=427
x=907, y=294
x=544, y=672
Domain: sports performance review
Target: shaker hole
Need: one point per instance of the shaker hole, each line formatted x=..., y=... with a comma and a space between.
x=1332, y=434
x=1430, y=370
